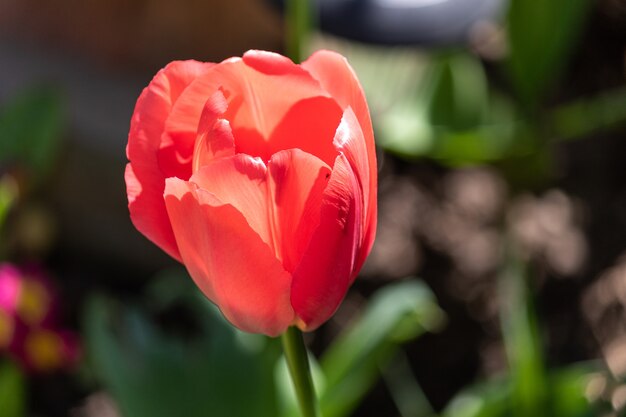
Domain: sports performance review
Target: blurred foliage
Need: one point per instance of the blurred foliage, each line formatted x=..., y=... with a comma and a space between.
x=580, y=118
x=531, y=391
x=454, y=117
x=541, y=36
x=30, y=129
x=12, y=392
x=495, y=398
x=528, y=388
x=395, y=315
x=441, y=105
x=151, y=372
x=138, y=359
x=177, y=347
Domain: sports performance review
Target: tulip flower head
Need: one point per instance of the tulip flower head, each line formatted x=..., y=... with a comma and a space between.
x=260, y=176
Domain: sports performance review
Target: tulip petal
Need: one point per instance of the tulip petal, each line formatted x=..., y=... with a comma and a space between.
x=145, y=174
x=337, y=77
x=325, y=271
x=240, y=181
x=271, y=63
x=297, y=183
x=215, y=138
x=309, y=125
x=260, y=89
x=280, y=201
x=228, y=261
x=350, y=142
x=263, y=99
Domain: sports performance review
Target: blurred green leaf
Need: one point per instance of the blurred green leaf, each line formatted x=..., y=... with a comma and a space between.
x=580, y=118
x=528, y=388
x=404, y=388
x=453, y=117
x=566, y=393
x=351, y=365
x=522, y=341
x=456, y=92
x=219, y=371
x=529, y=170
x=12, y=393
x=30, y=130
x=541, y=36
x=482, y=400
x=567, y=389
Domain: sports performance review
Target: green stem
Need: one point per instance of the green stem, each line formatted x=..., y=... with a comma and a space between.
x=8, y=196
x=298, y=363
x=299, y=22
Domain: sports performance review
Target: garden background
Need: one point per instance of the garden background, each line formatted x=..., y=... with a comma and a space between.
x=497, y=283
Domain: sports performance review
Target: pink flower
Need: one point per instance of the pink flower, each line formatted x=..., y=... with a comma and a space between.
x=260, y=176
x=29, y=331
x=10, y=286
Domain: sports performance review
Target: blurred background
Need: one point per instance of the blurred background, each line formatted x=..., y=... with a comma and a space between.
x=497, y=283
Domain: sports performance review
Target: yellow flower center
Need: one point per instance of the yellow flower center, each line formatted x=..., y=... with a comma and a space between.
x=34, y=302
x=7, y=328
x=44, y=349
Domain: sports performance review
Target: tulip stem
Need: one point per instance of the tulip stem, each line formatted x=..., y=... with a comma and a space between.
x=298, y=364
x=299, y=22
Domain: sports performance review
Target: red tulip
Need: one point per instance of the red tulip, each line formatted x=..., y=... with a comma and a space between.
x=260, y=176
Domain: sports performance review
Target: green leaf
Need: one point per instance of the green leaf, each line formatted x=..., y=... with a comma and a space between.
x=457, y=94
x=454, y=117
x=218, y=371
x=12, y=392
x=351, y=365
x=30, y=130
x=567, y=389
x=541, y=37
x=491, y=399
x=523, y=342
x=404, y=388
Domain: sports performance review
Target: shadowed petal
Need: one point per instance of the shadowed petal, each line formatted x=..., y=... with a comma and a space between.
x=309, y=125
x=145, y=175
x=297, y=182
x=228, y=261
x=324, y=274
x=214, y=138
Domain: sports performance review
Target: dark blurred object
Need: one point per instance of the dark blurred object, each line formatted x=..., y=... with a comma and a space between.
x=30, y=133
x=144, y=33
x=405, y=22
